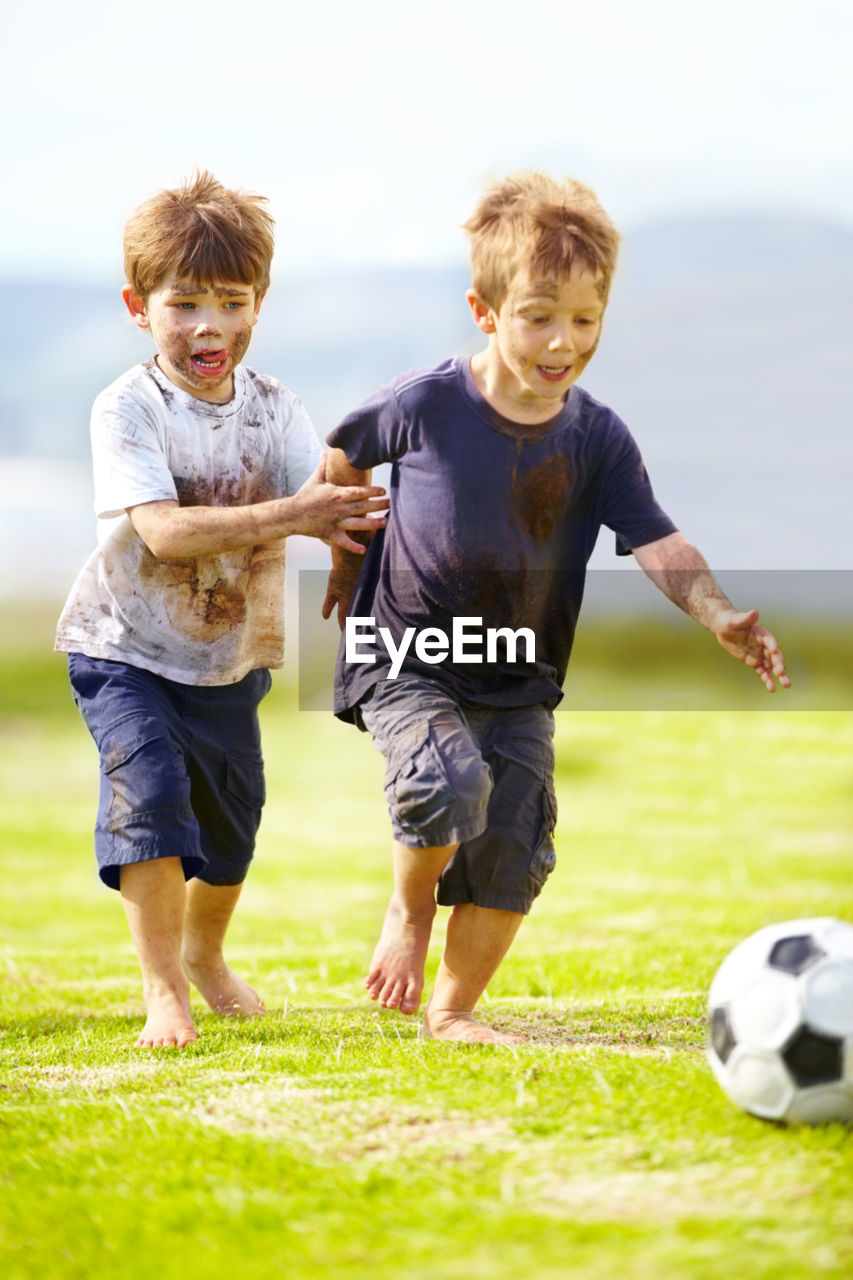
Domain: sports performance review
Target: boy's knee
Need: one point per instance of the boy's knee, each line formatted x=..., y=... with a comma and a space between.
x=471, y=784
x=438, y=787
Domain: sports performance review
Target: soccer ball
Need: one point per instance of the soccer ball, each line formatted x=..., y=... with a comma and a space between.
x=781, y=1022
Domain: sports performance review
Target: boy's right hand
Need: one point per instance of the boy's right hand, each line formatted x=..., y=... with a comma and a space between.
x=330, y=511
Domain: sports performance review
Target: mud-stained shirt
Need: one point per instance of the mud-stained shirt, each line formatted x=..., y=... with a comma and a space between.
x=491, y=522
x=212, y=619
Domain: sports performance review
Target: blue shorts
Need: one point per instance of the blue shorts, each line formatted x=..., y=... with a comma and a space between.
x=473, y=774
x=181, y=768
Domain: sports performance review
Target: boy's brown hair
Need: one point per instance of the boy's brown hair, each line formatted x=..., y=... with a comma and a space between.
x=529, y=219
x=201, y=231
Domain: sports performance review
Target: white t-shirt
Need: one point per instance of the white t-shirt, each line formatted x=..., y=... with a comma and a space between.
x=212, y=619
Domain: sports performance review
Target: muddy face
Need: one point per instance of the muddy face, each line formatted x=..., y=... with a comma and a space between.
x=201, y=331
x=179, y=361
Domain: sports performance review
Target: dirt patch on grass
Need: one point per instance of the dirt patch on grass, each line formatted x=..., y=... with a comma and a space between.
x=346, y=1130
x=559, y=1029
x=649, y=1195
x=282, y=1107
x=378, y=1136
x=61, y=1077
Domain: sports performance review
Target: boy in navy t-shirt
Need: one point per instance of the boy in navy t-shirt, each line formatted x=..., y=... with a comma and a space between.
x=459, y=625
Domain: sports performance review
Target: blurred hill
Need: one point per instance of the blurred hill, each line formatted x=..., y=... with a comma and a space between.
x=726, y=349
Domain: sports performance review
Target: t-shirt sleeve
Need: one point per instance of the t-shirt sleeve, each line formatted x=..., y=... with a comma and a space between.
x=375, y=432
x=630, y=508
x=302, y=448
x=128, y=455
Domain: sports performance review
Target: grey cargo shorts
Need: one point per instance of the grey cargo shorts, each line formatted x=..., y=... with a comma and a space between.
x=480, y=776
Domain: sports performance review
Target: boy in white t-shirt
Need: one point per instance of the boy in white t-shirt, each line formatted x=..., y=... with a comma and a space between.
x=202, y=469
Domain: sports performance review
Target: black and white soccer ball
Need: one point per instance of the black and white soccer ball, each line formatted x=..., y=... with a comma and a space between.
x=781, y=1022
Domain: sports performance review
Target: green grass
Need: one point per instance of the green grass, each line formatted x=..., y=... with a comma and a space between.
x=326, y=1140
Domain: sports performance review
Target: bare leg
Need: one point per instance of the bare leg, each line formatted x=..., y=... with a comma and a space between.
x=154, y=898
x=396, y=975
x=477, y=940
x=209, y=909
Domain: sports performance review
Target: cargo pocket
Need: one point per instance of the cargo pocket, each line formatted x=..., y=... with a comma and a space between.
x=544, y=858
x=409, y=779
x=244, y=782
x=140, y=772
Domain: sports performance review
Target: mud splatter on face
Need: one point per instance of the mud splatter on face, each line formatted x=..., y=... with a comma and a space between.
x=181, y=346
x=241, y=343
x=201, y=340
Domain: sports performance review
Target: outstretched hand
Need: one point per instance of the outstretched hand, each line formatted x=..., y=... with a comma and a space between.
x=330, y=511
x=740, y=635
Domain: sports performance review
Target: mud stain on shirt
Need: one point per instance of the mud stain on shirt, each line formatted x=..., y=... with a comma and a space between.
x=199, y=601
x=540, y=496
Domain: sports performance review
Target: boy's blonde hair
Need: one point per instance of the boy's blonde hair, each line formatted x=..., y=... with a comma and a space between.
x=202, y=232
x=529, y=220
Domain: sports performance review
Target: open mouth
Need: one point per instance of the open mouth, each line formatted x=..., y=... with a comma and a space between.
x=551, y=374
x=209, y=362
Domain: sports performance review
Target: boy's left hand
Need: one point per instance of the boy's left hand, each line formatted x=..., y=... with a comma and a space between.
x=342, y=579
x=740, y=635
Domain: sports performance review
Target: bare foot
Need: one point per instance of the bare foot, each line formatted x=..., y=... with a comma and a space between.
x=225, y=992
x=451, y=1025
x=396, y=974
x=169, y=1022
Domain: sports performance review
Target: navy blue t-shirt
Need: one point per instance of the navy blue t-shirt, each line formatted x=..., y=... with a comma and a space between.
x=490, y=520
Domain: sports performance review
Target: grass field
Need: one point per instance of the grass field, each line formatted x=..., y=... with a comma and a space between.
x=326, y=1140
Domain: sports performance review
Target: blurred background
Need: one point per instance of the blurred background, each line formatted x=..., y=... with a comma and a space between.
x=718, y=137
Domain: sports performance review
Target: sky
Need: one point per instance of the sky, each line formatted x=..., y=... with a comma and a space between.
x=373, y=127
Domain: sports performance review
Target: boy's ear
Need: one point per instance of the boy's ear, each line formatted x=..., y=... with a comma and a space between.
x=484, y=316
x=258, y=300
x=135, y=306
